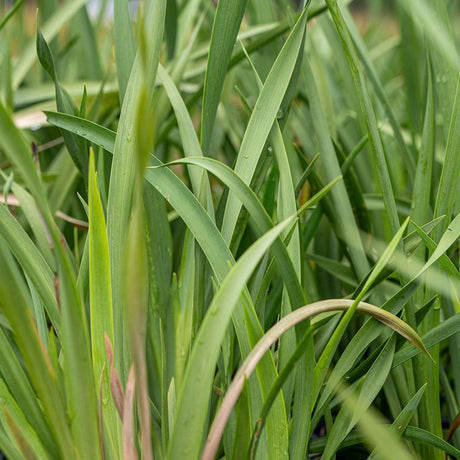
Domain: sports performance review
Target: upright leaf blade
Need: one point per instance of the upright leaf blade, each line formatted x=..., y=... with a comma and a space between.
x=263, y=116
x=123, y=169
x=101, y=312
x=191, y=409
x=225, y=29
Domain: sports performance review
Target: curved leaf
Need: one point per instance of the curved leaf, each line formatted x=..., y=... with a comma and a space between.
x=274, y=334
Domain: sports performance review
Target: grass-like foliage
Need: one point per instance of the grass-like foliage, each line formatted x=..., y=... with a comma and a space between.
x=229, y=229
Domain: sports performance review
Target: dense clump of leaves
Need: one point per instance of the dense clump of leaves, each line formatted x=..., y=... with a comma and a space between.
x=229, y=230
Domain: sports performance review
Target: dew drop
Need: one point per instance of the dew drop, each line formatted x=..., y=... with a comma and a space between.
x=441, y=79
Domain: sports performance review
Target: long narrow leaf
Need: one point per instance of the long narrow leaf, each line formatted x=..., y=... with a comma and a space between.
x=190, y=416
